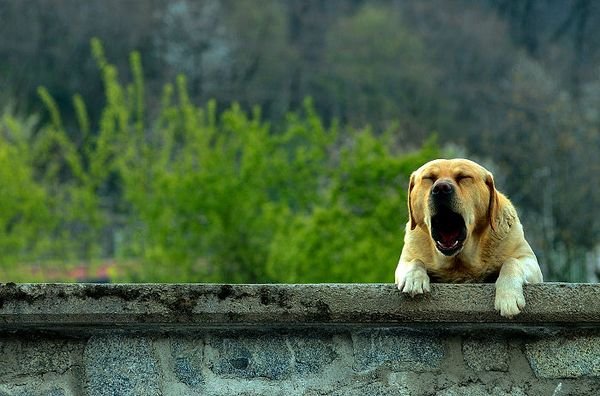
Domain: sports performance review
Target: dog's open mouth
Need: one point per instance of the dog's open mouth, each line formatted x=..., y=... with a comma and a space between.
x=449, y=232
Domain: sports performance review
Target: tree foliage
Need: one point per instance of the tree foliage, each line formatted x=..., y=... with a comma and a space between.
x=199, y=194
x=512, y=84
x=364, y=47
x=23, y=213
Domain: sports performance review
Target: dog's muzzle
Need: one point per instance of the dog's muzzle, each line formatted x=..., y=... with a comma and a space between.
x=448, y=228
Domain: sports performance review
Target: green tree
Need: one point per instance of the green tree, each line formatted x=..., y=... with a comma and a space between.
x=355, y=234
x=24, y=216
x=209, y=191
x=378, y=72
x=205, y=195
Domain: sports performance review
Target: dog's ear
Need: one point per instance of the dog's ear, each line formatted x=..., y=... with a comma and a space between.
x=493, y=205
x=411, y=185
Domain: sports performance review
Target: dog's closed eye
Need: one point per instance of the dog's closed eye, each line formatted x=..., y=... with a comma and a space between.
x=462, y=176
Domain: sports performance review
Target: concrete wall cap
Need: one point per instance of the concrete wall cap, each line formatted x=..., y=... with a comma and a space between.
x=64, y=307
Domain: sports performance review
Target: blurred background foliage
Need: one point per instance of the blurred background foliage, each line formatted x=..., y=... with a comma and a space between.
x=273, y=143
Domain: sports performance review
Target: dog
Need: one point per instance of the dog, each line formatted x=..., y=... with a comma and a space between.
x=461, y=229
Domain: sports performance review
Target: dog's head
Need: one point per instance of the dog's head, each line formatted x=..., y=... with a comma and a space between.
x=452, y=199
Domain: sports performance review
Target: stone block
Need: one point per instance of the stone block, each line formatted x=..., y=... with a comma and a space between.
x=371, y=389
x=399, y=349
x=486, y=354
x=187, y=355
x=480, y=390
x=264, y=355
x=565, y=357
x=31, y=391
x=312, y=354
x=119, y=365
x=24, y=357
x=38, y=385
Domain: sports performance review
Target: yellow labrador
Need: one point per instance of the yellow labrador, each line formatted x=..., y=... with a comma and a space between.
x=461, y=229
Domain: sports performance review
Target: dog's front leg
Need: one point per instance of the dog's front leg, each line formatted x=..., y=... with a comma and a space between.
x=412, y=278
x=509, y=287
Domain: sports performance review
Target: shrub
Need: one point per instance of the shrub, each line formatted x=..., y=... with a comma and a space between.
x=198, y=194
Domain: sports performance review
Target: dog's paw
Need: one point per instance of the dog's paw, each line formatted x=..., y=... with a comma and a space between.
x=509, y=300
x=413, y=282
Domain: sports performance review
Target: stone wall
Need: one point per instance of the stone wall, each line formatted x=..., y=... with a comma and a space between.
x=73, y=339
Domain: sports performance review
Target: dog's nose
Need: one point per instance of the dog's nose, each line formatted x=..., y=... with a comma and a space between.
x=442, y=188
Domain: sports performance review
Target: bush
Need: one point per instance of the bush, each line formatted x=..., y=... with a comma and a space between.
x=23, y=212
x=198, y=194
x=355, y=232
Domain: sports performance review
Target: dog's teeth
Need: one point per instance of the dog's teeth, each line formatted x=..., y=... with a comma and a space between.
x=445, y=246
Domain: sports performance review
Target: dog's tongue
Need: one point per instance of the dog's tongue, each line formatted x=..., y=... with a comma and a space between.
x=448, y=239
